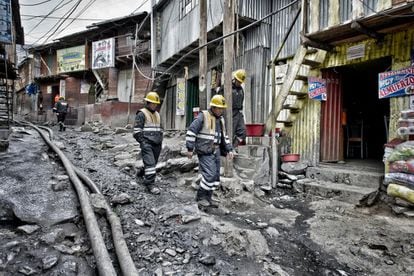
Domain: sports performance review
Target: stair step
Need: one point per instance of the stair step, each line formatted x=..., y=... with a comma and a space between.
x=342, y=192
x=361, y=177
x=299, y=94
x=302, y=78
x=293, y=109
x=311, y=51
x=311, y=63
x=285, y=122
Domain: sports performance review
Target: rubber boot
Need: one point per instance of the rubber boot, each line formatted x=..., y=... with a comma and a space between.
x=202, y=197
x=210, y=199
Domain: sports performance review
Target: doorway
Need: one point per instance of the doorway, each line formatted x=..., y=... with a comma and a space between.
x=365, y=116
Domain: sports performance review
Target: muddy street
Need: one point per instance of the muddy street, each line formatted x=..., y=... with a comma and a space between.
x=252, y=232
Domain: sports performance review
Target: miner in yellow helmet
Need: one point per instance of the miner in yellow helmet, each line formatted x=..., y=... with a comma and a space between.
x=149, y=134
x=207, y=137
x=239, y=126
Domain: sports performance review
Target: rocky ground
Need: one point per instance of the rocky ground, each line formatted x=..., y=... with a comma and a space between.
x=253, y=232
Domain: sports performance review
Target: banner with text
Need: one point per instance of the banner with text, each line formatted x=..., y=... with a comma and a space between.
x=71, y=59
x=317, y=88
x=396, y=83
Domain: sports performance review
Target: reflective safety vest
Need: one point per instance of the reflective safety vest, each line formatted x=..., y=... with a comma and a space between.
x=207, y=136
x=152, y=130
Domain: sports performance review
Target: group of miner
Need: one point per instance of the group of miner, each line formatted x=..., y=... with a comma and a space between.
x=206, y=137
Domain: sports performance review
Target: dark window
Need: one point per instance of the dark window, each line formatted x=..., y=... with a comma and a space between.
x=186, y=6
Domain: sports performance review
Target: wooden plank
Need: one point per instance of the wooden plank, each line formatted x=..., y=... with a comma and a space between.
x=311, y=63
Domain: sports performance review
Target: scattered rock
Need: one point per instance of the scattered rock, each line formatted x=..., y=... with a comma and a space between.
x=248, y=185
x=27, y=270
x=284, y=186
x=171, y=252
x=122, y=198
x=59, y=186
x=262, y=225
x=61, y=177
x=59, y=144
x=166, y=264
x=207, y=260
x=294, y=168
x=29, y=229
x=49, y=261
x=266, y=188
x=139, y=222
x=272, y=232
x=86, y=128
x=98, y=202
x=389, y=262
x=158, y=272
x=120, y=130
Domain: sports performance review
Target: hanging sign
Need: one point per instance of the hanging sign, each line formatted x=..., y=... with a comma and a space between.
x=103, y=52
x=5, y=22
x=356, y=51
x=180, y=99
x=71, y=59
x=317, y=88
x=396, y=83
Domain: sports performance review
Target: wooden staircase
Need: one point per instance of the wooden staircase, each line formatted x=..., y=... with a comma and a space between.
x=294, y=89
x=101, y=85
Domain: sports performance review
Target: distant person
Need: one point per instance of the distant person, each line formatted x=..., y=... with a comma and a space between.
x=61, y=109
x=207, y=137
x=149, y=134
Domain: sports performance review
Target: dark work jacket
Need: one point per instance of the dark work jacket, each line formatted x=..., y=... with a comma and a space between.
x=206, y=133
x=147, y=127
x=61, y=107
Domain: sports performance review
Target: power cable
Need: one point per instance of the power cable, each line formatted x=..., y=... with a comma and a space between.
x=227, y=35
x=142, y=4
x=57, y=7
x=31, y=17
x=37, y=4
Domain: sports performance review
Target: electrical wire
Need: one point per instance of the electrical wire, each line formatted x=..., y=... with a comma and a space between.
x=227, y=35
x=31, y=17
x=37, y=4
x=57, y=7
x=384, y=13
x=142, y=4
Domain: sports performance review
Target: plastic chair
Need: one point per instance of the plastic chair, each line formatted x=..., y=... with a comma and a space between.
x=355, y=138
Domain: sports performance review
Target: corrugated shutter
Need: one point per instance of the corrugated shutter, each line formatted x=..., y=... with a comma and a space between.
x=331, y=128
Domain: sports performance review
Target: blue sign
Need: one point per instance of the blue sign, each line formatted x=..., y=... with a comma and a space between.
x=396, y=83
x=5, y=22
x=317, y=88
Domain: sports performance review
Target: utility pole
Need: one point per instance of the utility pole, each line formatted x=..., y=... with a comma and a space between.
x=228, y=27
x=202, y=87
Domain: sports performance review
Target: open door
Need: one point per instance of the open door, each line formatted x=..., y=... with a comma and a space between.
x=331, y=126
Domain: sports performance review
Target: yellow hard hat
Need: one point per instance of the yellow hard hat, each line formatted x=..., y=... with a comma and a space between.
x=218, y=101
x=61, y=98
x=240, y=75
x=152, y=97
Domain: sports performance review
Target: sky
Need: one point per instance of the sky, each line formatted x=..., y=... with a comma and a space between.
x=98, y=10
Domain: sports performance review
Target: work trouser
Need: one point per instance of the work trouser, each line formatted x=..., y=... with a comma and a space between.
x=210, y=170
x=61, y=120
x=239, y=127
x=150, y=154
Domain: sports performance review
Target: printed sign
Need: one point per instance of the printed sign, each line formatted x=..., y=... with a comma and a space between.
x=180, y=99
x=71, y=59
x=317, y=88
x=62, y=88
x=5, y=22
x=103, y=52
x=354, y=52
x=396, y=83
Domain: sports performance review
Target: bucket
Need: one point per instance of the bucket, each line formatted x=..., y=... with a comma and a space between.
x=254, y=130
x=290, y=157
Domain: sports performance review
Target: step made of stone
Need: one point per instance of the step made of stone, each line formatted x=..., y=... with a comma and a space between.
x=341, y=192
x=346, y=176
x=247, y=162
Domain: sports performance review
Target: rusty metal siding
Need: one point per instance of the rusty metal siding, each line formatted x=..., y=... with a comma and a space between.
x=323, y=14
x=331, y=129
x=305, y=132
x=280, y=23
x=345, y=10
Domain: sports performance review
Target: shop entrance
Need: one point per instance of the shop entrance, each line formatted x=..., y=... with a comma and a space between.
x=364, y=117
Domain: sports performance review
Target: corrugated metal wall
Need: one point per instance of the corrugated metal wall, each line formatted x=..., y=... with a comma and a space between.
x=305, y=132
x=323, y=14
x=370, y=6
x=345, y=10
x=280, y=23
x=331, y=110
x=254, y=9
x=254, y=62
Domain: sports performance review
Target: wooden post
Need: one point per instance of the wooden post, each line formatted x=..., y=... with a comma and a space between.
x=202, y=87
x=228, y=27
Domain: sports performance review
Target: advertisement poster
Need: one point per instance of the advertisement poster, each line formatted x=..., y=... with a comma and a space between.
x=103, y=53
x=5, y=22
x=180, y=101
x=396, y=83
x=71, y=59
x=317, y=89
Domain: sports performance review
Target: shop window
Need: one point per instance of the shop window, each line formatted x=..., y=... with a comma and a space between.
x=186, y=6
